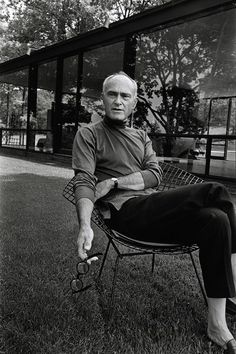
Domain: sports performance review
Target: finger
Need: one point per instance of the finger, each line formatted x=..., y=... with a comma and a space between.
x=87, y=245
x=88, y=241
x=81, y=252
x=93, y=259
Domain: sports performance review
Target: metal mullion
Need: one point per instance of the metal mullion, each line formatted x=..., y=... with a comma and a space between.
x=32, y=99
x=227, y=127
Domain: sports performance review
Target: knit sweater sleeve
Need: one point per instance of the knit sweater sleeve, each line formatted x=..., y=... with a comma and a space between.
x=151, y=171
x=83, y=163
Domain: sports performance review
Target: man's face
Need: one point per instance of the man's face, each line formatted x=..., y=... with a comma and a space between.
x=119, y=98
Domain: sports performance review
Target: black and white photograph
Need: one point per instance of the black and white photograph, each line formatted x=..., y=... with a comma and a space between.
x=118, y=176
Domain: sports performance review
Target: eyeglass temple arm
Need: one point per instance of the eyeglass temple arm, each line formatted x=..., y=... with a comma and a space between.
x=94, y=255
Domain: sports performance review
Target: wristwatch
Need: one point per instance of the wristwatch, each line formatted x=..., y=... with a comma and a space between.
x=115, y=180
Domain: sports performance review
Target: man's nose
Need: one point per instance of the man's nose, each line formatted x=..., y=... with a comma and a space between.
x=118, y=99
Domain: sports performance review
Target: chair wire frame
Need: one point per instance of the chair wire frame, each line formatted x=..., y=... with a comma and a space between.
x=173, y=177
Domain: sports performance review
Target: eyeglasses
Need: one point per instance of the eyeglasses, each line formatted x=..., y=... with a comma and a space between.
x=82, y=269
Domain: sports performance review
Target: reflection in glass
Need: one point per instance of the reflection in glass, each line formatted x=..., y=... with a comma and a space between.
x=180, y=70
x=68, y=121
x=42, y=141
x=218, y=116
x=14, y=96
x=69, y=108
x=70, y=73
x=223, y=160
x=189, y=153
x=98, y=64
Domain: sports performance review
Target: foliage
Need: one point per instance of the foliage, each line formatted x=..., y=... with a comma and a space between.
x=13, y=104
x=120, y=9
x=38, y=23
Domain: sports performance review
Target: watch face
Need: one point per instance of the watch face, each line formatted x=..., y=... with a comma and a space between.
x=115, y=180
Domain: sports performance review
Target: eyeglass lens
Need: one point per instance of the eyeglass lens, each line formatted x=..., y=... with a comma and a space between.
x=82, y=267
x=76, y=285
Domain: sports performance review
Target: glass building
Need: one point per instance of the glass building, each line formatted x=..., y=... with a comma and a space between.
x=183, y=56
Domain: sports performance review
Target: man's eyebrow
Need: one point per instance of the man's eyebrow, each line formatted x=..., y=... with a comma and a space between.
x=116, y=92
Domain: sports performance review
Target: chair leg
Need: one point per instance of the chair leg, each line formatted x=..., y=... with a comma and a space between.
x=199, y=279
x=104, y=259
x=153, y=262
x=113, y=285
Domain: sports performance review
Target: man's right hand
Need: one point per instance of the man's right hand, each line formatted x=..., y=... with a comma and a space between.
x=84, y=241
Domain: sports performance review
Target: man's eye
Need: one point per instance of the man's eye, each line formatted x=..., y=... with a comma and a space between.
x=126, y=97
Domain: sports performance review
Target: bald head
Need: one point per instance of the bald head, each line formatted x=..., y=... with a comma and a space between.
x=126, y=78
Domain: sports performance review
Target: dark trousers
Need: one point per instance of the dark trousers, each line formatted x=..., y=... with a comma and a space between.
x=202, y=214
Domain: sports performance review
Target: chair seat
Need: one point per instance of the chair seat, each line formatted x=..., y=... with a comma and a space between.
x=154, y=247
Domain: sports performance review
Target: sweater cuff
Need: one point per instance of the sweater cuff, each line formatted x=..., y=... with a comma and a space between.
x=149, y=178
x=84, y=192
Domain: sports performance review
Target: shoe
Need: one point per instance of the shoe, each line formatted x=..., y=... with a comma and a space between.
x=230, y=307
x=231, y=347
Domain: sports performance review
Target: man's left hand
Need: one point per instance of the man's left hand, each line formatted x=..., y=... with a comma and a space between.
x=102, y=188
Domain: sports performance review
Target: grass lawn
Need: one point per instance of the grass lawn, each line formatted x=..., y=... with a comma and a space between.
x=156, y=313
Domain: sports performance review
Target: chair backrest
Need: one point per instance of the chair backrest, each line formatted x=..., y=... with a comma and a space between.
x=173, y=177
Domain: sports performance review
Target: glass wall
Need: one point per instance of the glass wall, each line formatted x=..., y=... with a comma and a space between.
x=41, y=122
x=97, y=65
x=186, y=74
x=13, y=108
x=187, y=86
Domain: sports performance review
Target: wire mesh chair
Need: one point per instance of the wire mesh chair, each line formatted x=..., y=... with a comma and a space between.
x=173, y=177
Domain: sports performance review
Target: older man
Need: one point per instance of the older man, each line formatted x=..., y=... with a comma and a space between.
x=116, y=167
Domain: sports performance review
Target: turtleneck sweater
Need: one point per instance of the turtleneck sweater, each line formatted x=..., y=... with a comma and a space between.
x=106, y=149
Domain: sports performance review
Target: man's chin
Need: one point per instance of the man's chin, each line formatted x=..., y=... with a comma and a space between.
x=118, y=118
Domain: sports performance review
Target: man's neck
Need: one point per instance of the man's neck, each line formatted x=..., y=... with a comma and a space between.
x=115, y=123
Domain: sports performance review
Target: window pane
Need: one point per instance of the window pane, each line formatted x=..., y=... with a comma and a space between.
x=180, y=67
x=39, y=139
x=13, y=108
x=218, y=116
x=187, y=79
x=14, y=95
x=68, y=122
x=224, y=153
x=70, y=72
x=69, y=108
x=47, y=76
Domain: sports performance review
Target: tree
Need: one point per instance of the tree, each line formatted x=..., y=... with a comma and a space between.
x=174, y=64
x=38, y=23
x=120, y=9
